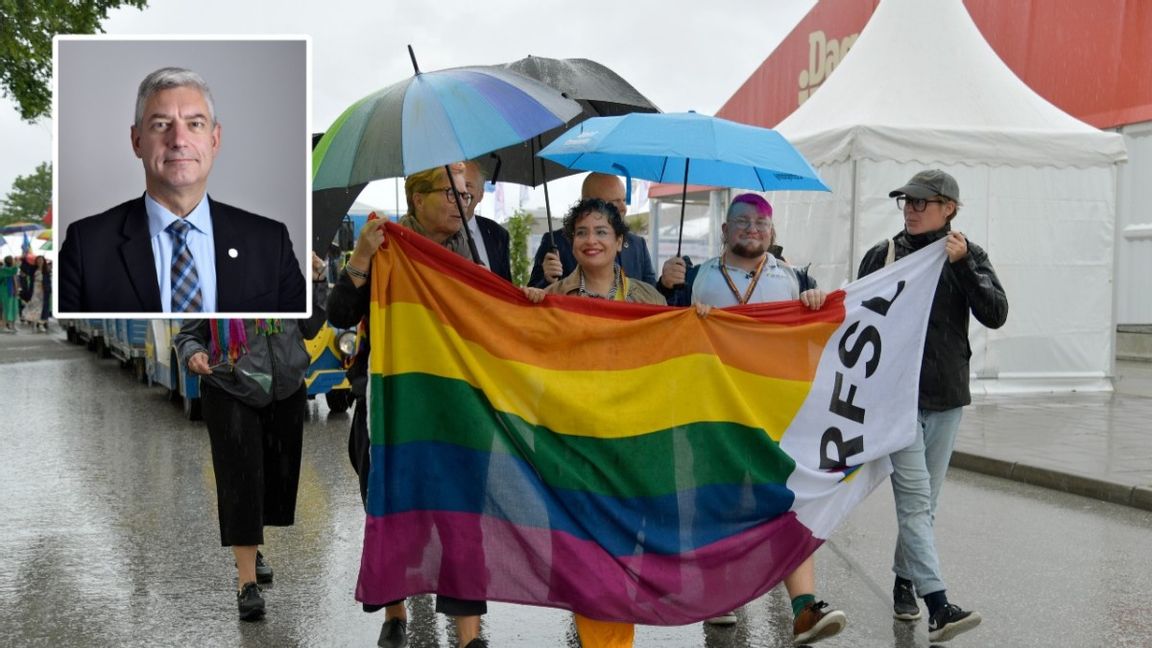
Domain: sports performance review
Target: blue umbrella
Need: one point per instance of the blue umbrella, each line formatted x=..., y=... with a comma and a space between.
x=684, y=148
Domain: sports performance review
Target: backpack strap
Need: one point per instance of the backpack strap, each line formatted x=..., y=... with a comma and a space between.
x=803, y=279
x=891, y=253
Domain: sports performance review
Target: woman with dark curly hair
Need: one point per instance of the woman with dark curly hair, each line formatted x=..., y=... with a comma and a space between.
x=597, y=231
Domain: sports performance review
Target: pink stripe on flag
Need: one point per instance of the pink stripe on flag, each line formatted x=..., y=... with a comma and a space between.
x=477, y=557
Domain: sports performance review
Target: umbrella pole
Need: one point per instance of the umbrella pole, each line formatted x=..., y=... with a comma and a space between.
x=548, y=215
x=547, y=203
x=683, y=200
x=463, y=218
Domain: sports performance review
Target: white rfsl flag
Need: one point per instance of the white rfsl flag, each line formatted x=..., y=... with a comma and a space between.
x=864, y=399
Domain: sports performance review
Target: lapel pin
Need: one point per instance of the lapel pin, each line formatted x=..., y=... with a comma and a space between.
x=233, y=253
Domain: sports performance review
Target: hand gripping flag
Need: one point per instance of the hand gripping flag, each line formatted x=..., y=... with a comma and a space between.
x=629, y=462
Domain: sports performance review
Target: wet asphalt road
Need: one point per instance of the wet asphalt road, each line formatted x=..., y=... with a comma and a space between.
x=108, y=537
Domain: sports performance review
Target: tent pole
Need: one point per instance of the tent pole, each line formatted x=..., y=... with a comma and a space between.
x=852, y=262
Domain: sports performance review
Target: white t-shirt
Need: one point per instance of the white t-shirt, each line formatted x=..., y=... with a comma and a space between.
x=777, y=283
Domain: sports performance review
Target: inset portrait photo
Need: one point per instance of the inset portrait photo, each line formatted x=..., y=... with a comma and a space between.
x=182, y=177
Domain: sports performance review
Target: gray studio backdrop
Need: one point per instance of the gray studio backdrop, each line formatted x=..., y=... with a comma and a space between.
x=260, y=90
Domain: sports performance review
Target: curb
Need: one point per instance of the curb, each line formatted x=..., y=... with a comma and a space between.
x=1135, y=496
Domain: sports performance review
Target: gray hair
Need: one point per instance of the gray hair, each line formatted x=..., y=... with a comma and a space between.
x=166, y=79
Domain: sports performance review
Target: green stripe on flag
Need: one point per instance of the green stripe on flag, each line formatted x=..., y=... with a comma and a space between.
x=419, y=407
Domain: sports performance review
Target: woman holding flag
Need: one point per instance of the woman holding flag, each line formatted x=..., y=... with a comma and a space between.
x=596, y=231
x=434, y=214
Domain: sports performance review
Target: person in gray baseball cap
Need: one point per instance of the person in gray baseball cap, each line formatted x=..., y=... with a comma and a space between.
x=968, y=286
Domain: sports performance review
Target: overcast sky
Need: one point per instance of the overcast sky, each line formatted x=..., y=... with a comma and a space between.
x=690, y=56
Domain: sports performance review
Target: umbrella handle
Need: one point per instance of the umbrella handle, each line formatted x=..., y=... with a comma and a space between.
x=688, y=266
x=548, y=215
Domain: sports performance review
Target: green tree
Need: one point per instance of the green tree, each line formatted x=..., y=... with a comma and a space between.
x=26, y=31
x=519, y=226
x=638, y=224
x=30, y=197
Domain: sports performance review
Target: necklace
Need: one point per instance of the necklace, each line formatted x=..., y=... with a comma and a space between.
x=618, y=279
x=755, y=277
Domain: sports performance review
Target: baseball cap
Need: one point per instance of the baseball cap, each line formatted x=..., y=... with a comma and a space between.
x=932, y=182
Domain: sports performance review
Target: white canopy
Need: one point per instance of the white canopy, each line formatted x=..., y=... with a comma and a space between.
x=921, y=88
x=922, y=85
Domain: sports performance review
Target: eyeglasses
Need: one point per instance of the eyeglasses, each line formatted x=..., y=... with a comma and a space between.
x=465, y=197
x=917, y=204
x=743, y=223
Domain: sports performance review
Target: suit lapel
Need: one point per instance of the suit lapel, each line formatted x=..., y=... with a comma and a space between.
x=497, y=259
x=225, y=239
x=136, y=252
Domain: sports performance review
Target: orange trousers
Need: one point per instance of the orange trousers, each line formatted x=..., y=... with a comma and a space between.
x=604, y=634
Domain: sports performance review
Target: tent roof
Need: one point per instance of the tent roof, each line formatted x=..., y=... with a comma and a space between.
x=922, y=85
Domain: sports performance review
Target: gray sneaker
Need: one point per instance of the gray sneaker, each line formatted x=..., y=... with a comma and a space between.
x=904, y=605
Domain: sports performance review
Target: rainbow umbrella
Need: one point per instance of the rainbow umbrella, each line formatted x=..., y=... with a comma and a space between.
x=23, y=226
x=432, y=119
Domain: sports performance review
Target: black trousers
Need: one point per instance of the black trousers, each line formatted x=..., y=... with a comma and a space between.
x=360, y=445
x=256, y=458
x=359, y=453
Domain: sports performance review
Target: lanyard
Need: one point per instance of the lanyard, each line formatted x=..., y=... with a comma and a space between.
x=742, y=299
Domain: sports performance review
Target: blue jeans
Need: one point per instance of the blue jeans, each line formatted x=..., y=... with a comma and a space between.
x=917, y=477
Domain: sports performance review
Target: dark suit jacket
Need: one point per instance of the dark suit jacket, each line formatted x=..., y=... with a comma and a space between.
x=634, y=258
x=496, y=243
x=106, y=264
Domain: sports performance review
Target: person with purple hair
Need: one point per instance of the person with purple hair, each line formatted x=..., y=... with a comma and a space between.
x=749, y=240
x=749, y=270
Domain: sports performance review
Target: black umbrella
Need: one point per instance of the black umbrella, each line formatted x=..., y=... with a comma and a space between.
x=329, y=206
x=599, y=91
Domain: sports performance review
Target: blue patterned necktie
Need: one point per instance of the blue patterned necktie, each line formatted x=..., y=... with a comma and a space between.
x=185, y=283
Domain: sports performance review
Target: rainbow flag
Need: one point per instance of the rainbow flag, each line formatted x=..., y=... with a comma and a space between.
x=625, y=461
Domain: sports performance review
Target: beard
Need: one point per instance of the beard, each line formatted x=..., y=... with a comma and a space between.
x=750, y=249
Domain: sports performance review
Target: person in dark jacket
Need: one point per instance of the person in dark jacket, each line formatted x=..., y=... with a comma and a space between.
x=432, y=213
x=253, y=398
x=968, y=285
x=491, y=239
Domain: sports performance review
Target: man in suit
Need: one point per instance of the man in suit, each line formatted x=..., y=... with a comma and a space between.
x=491, y=238
x=553, y=263
x=175, y=249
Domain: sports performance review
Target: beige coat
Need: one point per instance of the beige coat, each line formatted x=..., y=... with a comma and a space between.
x=638, y=291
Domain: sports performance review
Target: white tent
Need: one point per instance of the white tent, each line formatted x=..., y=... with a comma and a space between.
x=921, y=88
